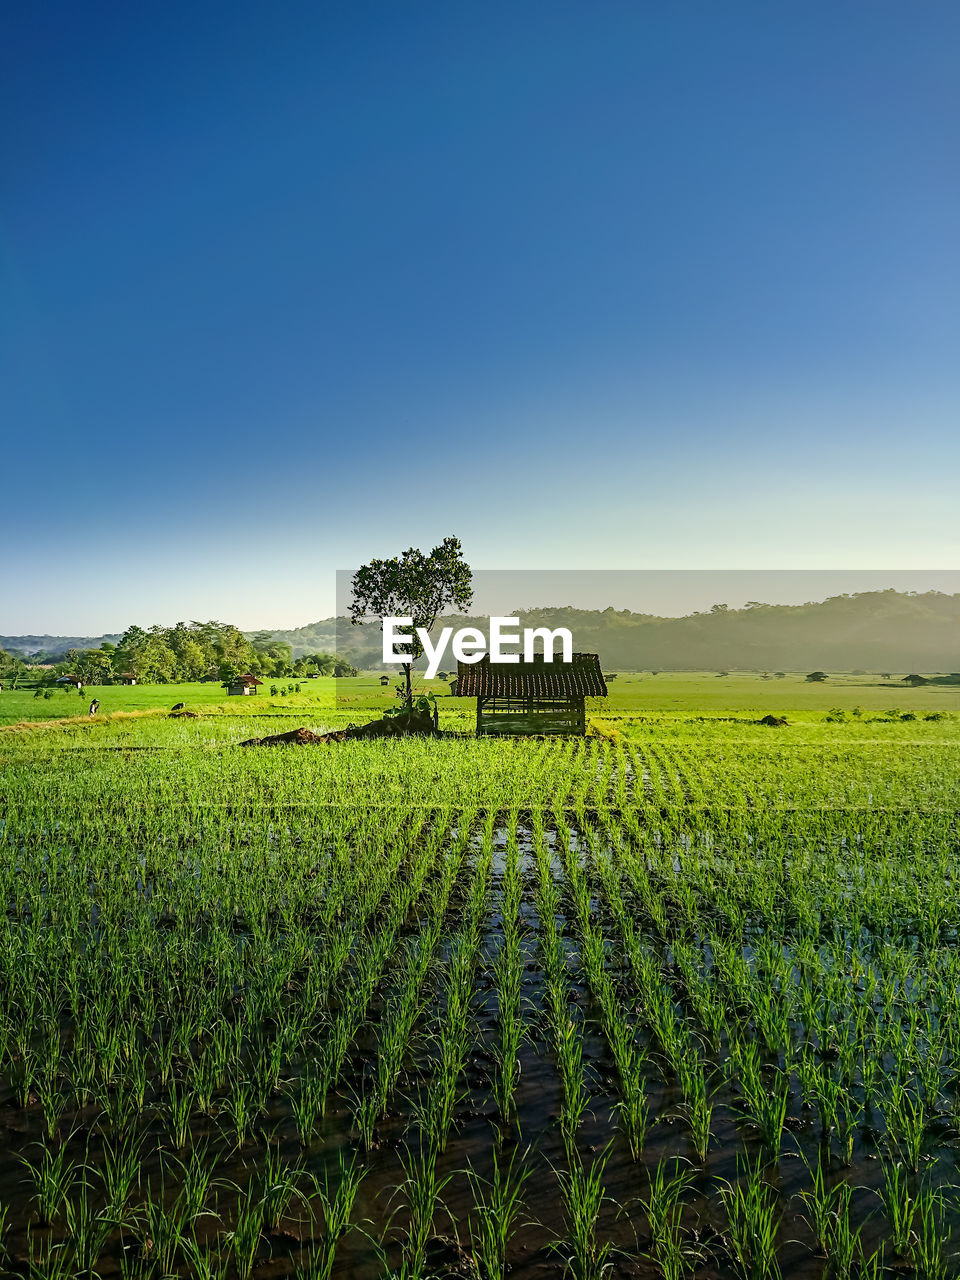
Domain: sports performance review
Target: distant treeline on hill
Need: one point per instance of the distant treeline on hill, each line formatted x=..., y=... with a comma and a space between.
x=871, y=631
x=189, y=651
x=49, y=648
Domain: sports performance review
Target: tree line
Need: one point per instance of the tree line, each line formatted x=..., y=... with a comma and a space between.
x=185, y=653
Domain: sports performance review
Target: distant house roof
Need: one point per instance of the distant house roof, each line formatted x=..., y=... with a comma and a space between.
x=581, y=678
x=127, y=675
x=247, y=679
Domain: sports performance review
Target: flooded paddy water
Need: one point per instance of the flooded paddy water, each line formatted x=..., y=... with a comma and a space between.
x=678, y=1005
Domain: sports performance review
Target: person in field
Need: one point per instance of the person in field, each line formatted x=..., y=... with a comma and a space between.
x=94, y=706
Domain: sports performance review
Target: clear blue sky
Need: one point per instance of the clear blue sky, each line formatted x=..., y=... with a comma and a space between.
x=607, y=285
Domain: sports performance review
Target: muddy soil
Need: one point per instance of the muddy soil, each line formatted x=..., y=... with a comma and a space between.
x=409, y=724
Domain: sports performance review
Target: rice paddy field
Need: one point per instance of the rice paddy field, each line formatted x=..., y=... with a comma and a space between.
x=678, y=999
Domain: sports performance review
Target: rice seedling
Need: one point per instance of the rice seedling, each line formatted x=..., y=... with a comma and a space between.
x=828, y=1210
x=244, y=1238
x=196, y=1185
x=308, y=1104
x=239, y=1108
x=120, y=1174
x=51, y=1260
x=420, y=1190
x=87, y=1231
x=497, y=1205
x=52, y=1176
x=280, y=1187
x=931, y=1237
x=699, y=1114
x=159, y=1230
x=204, y=1263
x=672, y=1250
x=752, y=1223
x=336, y=1205
x=588, y=1256
x=900, y=1206
x=906, y=1125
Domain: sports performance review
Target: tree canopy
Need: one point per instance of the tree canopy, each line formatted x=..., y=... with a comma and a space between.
x=416, y=586
x=188, y=652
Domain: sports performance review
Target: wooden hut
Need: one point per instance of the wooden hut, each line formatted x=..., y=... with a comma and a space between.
x=243, y=686
x=128, y=678
x=532, y=697
x=384, y=681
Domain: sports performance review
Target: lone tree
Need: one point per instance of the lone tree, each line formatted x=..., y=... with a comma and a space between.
x=414, y=586
x=816, y=677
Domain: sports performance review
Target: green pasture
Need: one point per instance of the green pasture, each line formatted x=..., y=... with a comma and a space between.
x=741, y=695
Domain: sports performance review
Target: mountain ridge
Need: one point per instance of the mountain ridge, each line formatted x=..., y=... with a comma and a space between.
x=873, y=630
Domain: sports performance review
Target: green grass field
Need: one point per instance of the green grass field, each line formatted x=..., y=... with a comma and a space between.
x=683, y=693
x=679, y=999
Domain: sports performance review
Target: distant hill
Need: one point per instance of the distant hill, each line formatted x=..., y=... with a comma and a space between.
x=315, y=637
x=871, y=631
x=880, y=631
x=52, y=645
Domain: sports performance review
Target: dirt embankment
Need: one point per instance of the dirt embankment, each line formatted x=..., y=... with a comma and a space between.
x=409, y=725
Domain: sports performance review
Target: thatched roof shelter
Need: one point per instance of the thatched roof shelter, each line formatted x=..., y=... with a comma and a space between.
x=532, y=697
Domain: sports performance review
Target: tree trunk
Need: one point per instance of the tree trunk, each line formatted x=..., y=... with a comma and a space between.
x=408, y=672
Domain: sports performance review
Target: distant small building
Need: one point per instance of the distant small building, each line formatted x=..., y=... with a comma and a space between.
x=243, y=686
x=532, y=697
x=74, y=680
x=453, y=687
x=384, y=681
x=128, y=678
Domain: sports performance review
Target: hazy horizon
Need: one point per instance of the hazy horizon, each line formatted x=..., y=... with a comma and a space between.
x=668, y=593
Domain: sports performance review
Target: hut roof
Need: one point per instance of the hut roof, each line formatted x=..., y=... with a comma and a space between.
x=581, y=678
x=247, y=679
